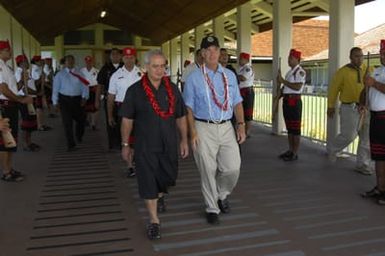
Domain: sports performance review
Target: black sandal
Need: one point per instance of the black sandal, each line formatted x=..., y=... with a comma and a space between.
x=12, y=177
x=374, y=193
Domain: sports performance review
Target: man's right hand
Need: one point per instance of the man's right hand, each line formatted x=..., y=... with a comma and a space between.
x=26, y=100
x=111, y=122
x=331, y=112
x=126, y=152
x=194, y=140
x=4, y=124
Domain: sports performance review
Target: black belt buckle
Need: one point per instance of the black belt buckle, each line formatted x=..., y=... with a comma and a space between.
x=211, y=121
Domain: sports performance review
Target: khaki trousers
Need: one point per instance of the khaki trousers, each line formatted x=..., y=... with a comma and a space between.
x=218, y=159
x=349, y=118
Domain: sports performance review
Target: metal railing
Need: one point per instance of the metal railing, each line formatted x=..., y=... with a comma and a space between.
x=314, y=118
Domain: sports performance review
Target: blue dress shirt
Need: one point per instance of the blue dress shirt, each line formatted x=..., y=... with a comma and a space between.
x=68, y=85
x=198, y=96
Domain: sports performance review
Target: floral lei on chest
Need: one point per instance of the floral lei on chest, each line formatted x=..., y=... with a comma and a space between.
x=225, y=104
x=154, y=103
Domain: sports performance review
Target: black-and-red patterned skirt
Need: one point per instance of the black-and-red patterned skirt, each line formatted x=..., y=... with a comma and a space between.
x=248, y=96
x=377, y=135
x=10, y=110
x=292, y=112
x=90, y=104
x=28, y=122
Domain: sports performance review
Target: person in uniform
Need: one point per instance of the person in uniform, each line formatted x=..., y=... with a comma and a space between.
x=9, y=101
x=293, y=84
x=347, y=84
x=120, y=81
x=48, y=80
x=90, y=73
x=38, y=77
x=70, y=92
x=224, y=61
x=154, y=108
x=376, y=84
x=27, y=86
x=212, y=96
x=246, y=82
x=103, y=79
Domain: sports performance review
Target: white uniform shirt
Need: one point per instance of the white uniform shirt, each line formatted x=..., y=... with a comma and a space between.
x=47, y=72
x=7, y=77
x=121, y=80
x=295, y=75
x=90, y=75
x=377, y=98
x=247, y=72
x=36, y=72
x=190, y=67
x=31, y=82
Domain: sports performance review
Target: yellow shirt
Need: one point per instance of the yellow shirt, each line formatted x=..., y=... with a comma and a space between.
x=346, y=85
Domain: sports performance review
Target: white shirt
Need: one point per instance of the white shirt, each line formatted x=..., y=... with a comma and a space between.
x=190, y=67
x=47, y=72
x=295, y=75
x=247, y=72
x=30, y=82
x=36, y=72
x=90, y=75
x=7, y=77
x=377, y=98
x=121, y=80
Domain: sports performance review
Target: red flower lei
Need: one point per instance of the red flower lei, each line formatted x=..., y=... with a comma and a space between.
x=151, y=97
x=224, y=106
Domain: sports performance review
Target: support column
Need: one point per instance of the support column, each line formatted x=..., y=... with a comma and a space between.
x=99, y=46
x=244, y=28
x=341, y=39
x=59, y=47
x=199, y=33
x=17, y=43
x=185, y=49
x=26, y=43
x=138, y=46
x=166, y=50
x=219, y=29
x=174, y=60
x=282, y=39
x=5, y=28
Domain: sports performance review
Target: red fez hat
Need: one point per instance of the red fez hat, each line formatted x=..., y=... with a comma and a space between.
x=129, y=51
x=382, y=45
x=36, y=58
x=244, y=55
x=5, y=45
x=88, y=59
x=48, y=59
x=21, y=58
x=296, y=54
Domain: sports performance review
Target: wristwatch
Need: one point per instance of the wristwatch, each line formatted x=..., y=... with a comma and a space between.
x=124, y=144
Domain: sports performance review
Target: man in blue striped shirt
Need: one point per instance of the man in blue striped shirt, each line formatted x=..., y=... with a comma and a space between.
x=70, y=92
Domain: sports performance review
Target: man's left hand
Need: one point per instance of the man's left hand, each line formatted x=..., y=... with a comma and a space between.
x=370, y=81
x=184, y=149
x=241, y=134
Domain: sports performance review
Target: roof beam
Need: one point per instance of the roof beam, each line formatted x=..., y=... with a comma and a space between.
x=309, y=14
x=264, y=8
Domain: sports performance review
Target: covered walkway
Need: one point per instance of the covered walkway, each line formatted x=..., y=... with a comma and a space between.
x=80, y=203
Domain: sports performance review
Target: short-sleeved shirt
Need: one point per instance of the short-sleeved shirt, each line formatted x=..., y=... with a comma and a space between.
x=30, y=82
x=105, y=74
x=153, y=133
x=247, y=72
x=7, y=77
x=91, y=75
x=199, y=98
x=121, y=80
x=377, y=98
x=295, y=75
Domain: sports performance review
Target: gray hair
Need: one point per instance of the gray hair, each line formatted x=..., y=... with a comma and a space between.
x=148, y=55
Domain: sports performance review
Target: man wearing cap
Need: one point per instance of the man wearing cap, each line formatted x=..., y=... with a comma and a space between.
x=293, y=84
x=120, y=81
x=111, y=66
x=376, y=84
x=38, y=77
x=9, y=101
x=91, y=73
x=347, y=85
x=212, y=96
x=246, y=82
x=154, y=108
x=27, y=87
x=70, y=92
x=48, y=80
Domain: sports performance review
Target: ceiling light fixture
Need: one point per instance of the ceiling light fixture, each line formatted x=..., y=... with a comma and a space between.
x=103, y=14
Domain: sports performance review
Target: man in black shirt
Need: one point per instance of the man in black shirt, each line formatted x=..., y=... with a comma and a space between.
x=155, y=108
x=103, y=79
